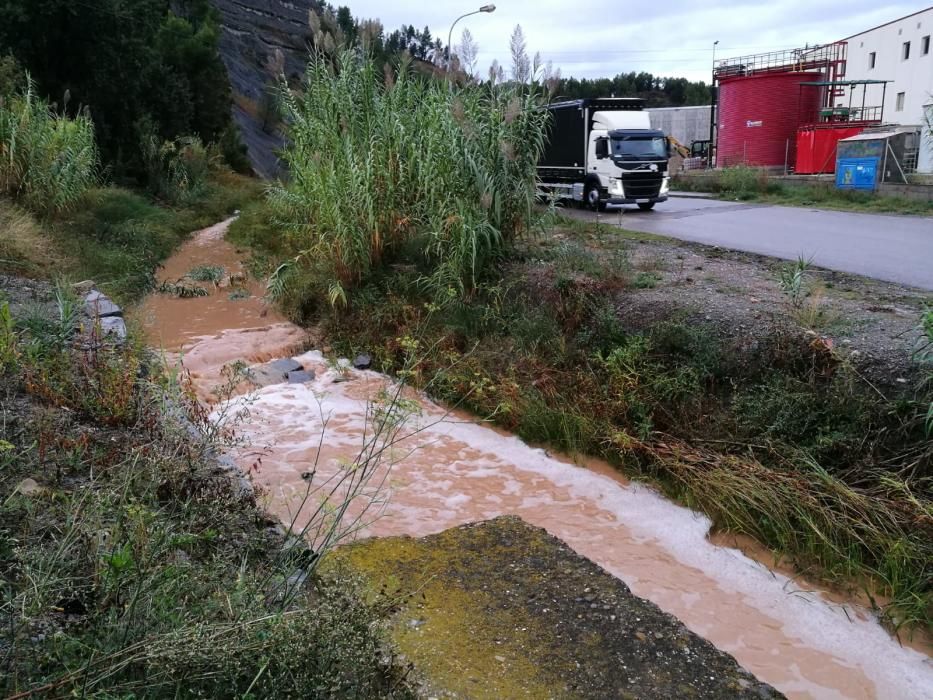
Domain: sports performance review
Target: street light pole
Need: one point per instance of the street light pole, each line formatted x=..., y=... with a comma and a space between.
x=712, y=112
x=450, y=34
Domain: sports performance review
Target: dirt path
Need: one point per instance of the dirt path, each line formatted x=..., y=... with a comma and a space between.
x=873, y=323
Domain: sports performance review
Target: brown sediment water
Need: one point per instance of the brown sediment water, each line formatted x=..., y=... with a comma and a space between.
x=451, y=469
x=236, y=302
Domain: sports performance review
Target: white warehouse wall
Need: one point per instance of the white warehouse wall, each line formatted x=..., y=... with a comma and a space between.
x=686, y=124
x=913, y=76
x=925, y=157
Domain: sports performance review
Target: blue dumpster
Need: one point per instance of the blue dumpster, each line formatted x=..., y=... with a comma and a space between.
x=857, y=173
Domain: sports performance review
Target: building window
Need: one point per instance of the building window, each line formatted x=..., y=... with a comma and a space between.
x=871, y=60
x=925, y=45
x=899, y=104
x=905, y=51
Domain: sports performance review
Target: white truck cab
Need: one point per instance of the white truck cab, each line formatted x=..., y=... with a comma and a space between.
x=622, y=161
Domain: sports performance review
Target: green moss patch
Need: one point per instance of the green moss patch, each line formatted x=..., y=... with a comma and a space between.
x=503, y=610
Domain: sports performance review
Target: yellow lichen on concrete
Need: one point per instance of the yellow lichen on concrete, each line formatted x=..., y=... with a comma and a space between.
x=464, y=641
x=503, y=610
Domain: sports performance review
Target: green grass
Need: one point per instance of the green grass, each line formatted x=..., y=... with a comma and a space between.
x=753, y=185
x=118, y=237
x=131, y=565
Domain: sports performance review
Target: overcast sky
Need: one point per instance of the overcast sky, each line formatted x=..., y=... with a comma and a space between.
x=597, y=38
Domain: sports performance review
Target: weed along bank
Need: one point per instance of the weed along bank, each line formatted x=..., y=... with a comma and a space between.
x=394, y=425
x=428, y=471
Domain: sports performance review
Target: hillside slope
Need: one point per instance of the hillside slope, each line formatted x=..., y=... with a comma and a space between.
x=252, y=32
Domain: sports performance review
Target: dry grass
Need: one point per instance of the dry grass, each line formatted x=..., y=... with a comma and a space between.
x=24, y=246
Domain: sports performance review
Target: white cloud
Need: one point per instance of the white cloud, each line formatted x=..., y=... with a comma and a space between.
x=600, y=38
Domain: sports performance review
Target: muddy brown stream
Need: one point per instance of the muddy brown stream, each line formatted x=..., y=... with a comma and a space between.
x=452, y=469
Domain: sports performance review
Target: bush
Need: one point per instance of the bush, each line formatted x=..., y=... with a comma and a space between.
x=47, y=161
x=743, y=181
x=404, y=168
x=178, y=170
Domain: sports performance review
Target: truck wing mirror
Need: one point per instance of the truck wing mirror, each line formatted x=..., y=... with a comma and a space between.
x=602, y=148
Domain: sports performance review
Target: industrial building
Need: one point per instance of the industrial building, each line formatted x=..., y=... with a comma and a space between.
x=900, y=52
x=788, y=110
x=686, y=124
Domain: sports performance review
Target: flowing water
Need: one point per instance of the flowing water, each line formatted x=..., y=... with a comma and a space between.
x=448, y=469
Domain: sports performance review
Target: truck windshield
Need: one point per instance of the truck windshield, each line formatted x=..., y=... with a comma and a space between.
x=639, y=147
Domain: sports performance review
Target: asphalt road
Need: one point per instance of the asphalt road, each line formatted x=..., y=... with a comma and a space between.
x=886, y=247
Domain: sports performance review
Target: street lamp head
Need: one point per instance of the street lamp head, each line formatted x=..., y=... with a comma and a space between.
x=488, y=8
x=716, y=43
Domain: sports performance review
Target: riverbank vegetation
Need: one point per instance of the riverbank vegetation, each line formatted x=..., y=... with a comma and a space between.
x=60, y=217
x=778, y=436
x=131, y=563
x=749, y=184
x=399, y=169
x=784, y=442
x=114, y=236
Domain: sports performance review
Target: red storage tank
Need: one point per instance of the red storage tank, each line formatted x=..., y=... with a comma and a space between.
x=816, y=147
x=758, y=117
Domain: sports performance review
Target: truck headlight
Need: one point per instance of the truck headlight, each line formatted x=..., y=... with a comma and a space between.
x=665, y=185
x=615, y=186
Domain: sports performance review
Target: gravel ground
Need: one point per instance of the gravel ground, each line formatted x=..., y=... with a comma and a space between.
x=873, y=323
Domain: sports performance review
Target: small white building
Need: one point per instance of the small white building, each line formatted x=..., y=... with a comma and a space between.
x=686, y=124
x=900, y=51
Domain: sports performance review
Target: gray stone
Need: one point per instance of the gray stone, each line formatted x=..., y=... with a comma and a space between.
x=278, y=372
x=363, y=361
x=285, y=365
x=264, y=375
x=300, y=377
x=113, y=329
x=100, y=305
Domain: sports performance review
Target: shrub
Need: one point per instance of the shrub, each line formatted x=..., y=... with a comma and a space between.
x=924, y=354
x=743, y=181
x=178, y=170
x=403, y=167
x=47, y=161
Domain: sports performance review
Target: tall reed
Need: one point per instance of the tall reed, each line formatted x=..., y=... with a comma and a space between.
x=393, y=166
x=47, y=161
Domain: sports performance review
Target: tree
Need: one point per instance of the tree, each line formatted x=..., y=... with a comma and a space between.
x=468, y=53
x=146, y=61
x=347, y=25
x=521, y=64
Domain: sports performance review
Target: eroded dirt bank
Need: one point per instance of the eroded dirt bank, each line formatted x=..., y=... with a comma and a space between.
x=452, y=471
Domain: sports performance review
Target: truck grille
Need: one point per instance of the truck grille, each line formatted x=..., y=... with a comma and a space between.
x=640, y=185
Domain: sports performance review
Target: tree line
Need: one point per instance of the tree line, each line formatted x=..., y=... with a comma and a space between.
x=657, y=91
x=142, y=69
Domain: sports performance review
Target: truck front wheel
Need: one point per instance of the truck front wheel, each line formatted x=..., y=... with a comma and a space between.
x=646, y=206
x=592, y=199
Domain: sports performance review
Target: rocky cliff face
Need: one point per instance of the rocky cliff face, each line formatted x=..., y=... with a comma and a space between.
x=252, y=33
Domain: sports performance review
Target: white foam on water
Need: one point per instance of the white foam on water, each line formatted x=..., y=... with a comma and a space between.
x=784, y=633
